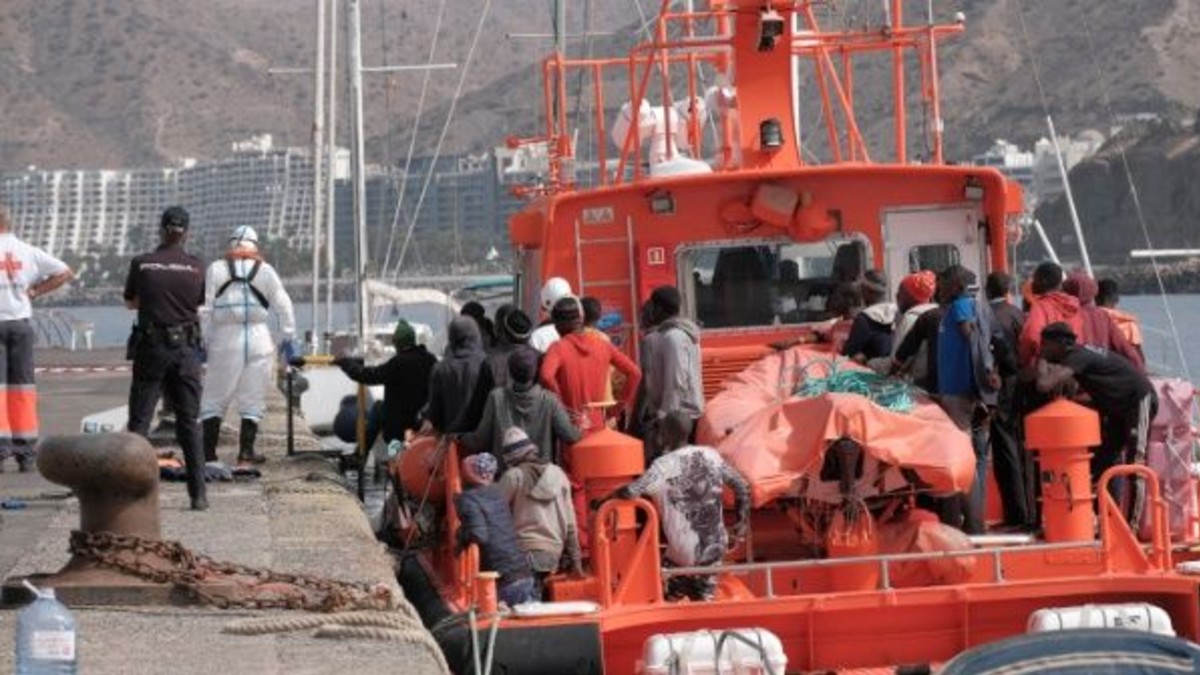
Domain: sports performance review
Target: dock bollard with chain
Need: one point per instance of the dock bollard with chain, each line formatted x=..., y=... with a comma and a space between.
x=119, y=558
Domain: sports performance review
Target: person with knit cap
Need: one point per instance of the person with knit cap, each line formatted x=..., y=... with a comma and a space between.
x=1122, y=394
x=1099, y=329
x=913, y=298
x=673, y=382
x=453, y=380
x=576, y=368
x=523, y=403
x=539, y=494
x=405, y=380
x=485, y=520
x=873, y=328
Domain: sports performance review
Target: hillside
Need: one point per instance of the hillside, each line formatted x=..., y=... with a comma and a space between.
x=1165, y=165
x=132, y=82
x=87, y=83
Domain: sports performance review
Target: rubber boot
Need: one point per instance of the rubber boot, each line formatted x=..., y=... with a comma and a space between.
x=212, y=436
x=249, y=432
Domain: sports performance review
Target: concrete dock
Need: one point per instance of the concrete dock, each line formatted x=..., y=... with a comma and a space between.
x=294, y=519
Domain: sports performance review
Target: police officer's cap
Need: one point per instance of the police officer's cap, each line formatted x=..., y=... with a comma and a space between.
x=175, y=219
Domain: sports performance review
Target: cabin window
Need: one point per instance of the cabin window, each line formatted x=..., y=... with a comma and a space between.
x=741, y=284
x=936, y=257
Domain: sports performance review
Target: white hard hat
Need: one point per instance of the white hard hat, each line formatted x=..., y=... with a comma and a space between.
x=243, y=233
x=555, y=289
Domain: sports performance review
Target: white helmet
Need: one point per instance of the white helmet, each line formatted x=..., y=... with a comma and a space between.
x=555, y=289
x=243, y=234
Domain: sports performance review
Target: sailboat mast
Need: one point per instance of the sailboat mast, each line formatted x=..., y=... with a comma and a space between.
x=331, y=159
x=318, y=163
x=357, y=166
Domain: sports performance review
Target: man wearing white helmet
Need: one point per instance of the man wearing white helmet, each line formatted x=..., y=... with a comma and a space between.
x=241, y=291
x=555, y=289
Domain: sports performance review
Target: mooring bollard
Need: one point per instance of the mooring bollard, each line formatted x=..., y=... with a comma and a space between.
x=115, y=477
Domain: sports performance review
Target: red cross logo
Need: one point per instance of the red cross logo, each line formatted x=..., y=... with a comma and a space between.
x=11, y=265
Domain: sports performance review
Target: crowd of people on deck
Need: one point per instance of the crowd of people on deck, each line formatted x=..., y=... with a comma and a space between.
x=515, y=395
x=990, y=362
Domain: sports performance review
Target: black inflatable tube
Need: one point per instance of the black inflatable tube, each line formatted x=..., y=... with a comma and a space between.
x=570, y=649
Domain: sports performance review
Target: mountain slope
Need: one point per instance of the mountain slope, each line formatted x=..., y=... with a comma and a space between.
x=130, y=82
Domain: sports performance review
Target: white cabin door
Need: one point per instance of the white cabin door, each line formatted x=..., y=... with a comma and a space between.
x=932, y=239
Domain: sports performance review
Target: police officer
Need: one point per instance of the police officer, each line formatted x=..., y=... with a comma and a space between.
x=166, y=287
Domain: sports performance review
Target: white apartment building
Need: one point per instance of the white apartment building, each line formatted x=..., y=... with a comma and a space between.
x=87, y=210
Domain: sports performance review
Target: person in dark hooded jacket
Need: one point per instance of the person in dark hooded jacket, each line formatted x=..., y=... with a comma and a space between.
x=1099, y=329
x=673, y=383
x=405, y=380
x=522, y=403
x=453, y=380
x=871, y=333
x=513, y=328
x=487, y=330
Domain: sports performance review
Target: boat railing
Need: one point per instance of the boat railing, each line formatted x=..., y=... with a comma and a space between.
x=626, y=560
x=466, y=563
x=1117, y=542
x=884, y=561
x=1115, y=530
x=681, y=47
x=59, y=328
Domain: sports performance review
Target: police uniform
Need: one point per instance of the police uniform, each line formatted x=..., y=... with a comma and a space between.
x=167, y=288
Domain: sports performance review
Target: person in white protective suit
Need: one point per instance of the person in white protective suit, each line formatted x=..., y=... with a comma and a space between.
x=241, y=291
x=555, y=289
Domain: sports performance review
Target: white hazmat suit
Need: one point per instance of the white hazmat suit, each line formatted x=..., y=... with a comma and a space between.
x=237, y=334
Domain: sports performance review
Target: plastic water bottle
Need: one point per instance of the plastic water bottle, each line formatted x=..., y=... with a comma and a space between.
x=46, y=636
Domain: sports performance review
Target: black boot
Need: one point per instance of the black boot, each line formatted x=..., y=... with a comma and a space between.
x=249, y=432
x=212, y=436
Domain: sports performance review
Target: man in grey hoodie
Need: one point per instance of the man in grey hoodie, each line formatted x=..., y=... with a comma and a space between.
x=539, y=494
x=673, y=382
x=525, y=404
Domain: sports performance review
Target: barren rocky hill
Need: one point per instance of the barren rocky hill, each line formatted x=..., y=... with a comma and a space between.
x=129, y=82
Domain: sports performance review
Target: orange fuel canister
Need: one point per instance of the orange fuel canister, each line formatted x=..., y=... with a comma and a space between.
x=1063, y=434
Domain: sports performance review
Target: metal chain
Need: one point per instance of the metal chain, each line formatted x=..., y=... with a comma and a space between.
x=224, y=584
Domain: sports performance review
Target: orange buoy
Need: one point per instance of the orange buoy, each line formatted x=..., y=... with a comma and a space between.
x=416, y=471
x=605, y=461
x=1063, y=434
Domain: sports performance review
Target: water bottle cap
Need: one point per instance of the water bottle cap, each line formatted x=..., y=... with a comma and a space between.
x=41, y=593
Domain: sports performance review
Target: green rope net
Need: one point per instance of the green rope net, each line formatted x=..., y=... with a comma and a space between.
x=893, y=394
